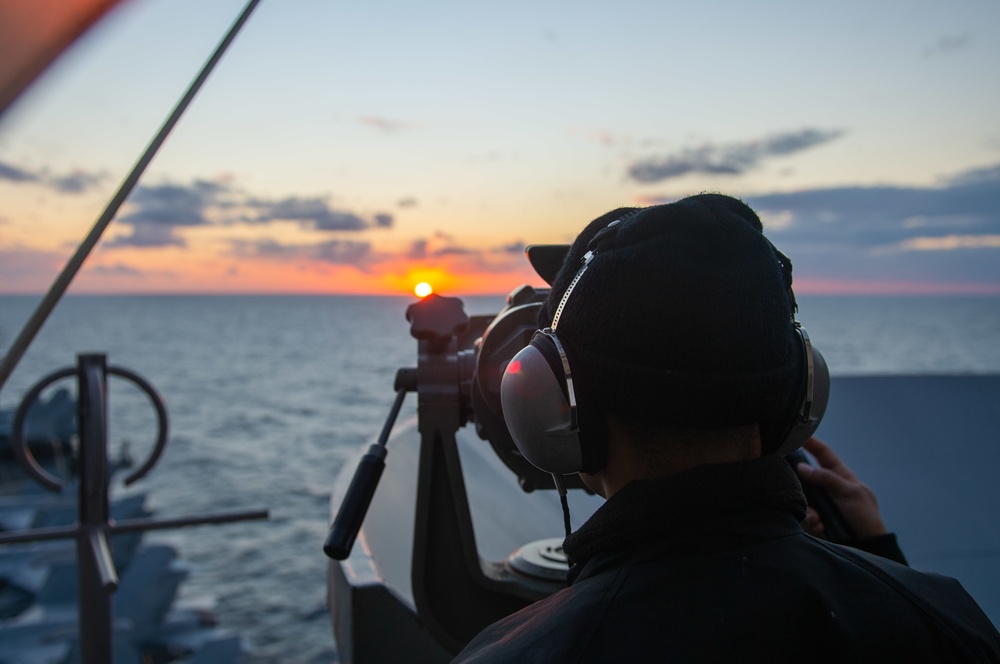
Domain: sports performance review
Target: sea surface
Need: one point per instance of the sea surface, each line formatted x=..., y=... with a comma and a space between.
x=269, y=396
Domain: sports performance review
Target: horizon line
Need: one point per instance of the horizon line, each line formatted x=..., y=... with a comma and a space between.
x=942, y=291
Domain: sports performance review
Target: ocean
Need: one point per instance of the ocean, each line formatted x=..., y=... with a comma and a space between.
x=269, y=396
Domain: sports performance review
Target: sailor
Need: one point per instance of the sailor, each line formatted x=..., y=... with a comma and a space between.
x=670, y=373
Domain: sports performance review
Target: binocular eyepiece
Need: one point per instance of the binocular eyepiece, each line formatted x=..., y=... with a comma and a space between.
x=462, y=359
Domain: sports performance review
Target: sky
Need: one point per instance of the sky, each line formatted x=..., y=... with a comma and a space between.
x=364, y=147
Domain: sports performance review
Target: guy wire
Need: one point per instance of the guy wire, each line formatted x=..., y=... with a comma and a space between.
x=62, y=282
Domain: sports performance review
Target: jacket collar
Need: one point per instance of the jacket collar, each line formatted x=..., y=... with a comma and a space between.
x=704, y=508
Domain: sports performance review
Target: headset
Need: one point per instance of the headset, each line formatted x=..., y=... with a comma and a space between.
x=541, y=400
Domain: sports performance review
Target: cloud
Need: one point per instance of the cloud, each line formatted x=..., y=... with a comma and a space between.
x=14, y=174
x=731, y=158
x=340, y=252
x=118, y=269
x=497, y=259
x=513, y=248
x=453, y=251
x=443, y=247
x=948, y=233
x=418, y=249
x=155, y=212
x=147, y=235
x=436, y=251
x=878, y=215
x=76, y=182
x=344, y=252
x=313, y=213
x=950, y=243
x=949, y=44
x=174, y=205
x=384, y=125
x=978, y=176
x=407, y=201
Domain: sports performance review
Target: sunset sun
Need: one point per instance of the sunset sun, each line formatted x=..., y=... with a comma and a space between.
x=423, y=289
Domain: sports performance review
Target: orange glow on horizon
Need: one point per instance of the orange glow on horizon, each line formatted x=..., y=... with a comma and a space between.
x=413, y=277
x=348, y=280
x=164, y=274
x=180, y=271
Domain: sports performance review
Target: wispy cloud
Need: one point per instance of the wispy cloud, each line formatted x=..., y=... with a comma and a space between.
x=311, y=212
x=13, y=173
x=988, y=175
x=384, y=125
x=875, y=216
x=729, y=158
x=147, y=235
x=950, y=243
x=439, y=250
x=340, y=252
x=155, y=212
x=441, y=246
x=76, y=182
x=513, y=248
x=173, y=204
x=117, y=270
x=948, y=233
x=949, y=44
x=418, y=249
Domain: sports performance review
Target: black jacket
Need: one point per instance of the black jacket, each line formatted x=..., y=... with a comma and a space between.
x=711, y=565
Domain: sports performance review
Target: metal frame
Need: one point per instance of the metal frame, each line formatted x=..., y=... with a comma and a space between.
x=97, y=577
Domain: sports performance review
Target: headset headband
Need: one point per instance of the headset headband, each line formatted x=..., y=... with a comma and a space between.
x=592, y=248
x=587, y=257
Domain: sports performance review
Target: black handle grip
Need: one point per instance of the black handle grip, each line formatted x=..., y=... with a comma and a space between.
x=836, y=527
x=352, y=511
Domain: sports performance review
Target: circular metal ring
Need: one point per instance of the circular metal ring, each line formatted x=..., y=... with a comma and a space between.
x=31, y=466
x=19, y=446
x=161, y=420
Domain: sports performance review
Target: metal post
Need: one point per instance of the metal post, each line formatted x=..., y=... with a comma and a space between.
x=93, y=555
x=96, y=572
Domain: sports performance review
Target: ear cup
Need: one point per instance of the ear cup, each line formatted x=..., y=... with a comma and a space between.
x=806, y=417
x=786, y=435
x=537, y=408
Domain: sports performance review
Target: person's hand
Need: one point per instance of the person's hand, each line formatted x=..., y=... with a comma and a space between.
x=856, y=502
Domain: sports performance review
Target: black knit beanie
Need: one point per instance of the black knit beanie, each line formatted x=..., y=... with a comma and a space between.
x=684, y=317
